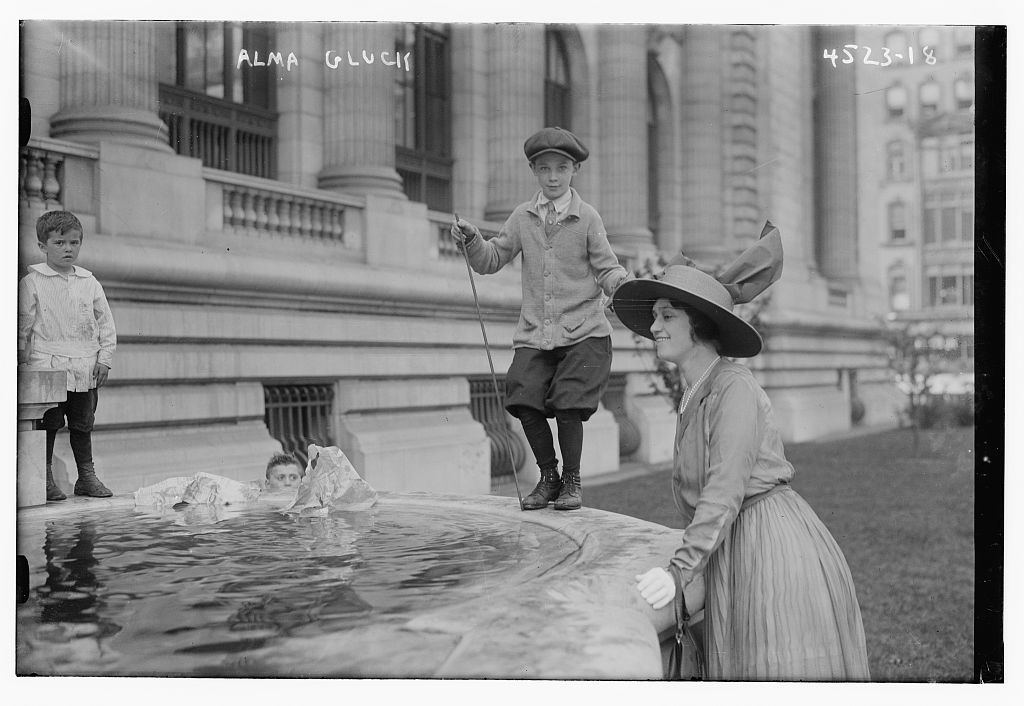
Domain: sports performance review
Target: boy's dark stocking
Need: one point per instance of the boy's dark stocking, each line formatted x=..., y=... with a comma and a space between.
x=570, y=441
x=538, y=433
x=87, y=483
x=53, y=491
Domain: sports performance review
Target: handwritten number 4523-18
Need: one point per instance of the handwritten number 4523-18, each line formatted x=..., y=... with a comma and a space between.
x=888, y=55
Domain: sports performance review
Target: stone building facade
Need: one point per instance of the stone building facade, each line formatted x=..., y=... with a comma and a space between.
x=917, y=199
x=267, y=206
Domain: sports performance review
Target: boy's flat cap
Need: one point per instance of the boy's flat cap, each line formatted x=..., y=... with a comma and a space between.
x=555, y=139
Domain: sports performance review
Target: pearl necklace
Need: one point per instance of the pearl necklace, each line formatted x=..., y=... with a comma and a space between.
x=693, y=388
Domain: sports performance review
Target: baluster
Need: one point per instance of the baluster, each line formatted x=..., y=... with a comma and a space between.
x=227, y=219
x=316, y=221
x=337, y=226
x=34, y=177
x=285, y=207
x=237, y=211
x=51, y=185
x=250, y=210
x=261, y=203
x=296, y=229
x=306, y=222
x=273, y=222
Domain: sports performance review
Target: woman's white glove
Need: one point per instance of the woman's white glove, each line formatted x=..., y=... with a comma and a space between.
x=657, y=587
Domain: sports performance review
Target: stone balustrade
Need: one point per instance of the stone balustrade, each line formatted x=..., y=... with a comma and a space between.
x=253, y=206
x=42, y=173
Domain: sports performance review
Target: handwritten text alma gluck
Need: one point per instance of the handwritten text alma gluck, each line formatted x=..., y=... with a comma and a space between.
x=332, y=59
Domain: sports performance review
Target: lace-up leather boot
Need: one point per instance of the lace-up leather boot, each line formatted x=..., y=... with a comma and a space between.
x=547, y=490
x=571, y=497
x=88, y=484
x=53, y=491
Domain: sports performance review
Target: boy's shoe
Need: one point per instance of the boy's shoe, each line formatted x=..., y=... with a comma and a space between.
x=53, y=491
x=547, y=490
x=88, y=484
x=571, y=497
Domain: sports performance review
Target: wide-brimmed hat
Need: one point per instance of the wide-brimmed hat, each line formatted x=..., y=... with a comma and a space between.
x=757, y=268
x=555, y=139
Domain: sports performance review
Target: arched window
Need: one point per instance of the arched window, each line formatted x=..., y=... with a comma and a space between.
x=897, y=221
x=896, y=42
x=964, y=38
x=963, y=91
x=928, y=37
x=557, y=81
x=896, y=160
x=899, y=292
x=896, y=100
x=929, y=96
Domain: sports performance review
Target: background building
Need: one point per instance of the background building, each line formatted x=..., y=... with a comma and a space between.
x=271, y=226
x=917, y=191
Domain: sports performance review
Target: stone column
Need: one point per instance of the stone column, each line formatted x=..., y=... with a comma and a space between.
x=835, y=159
x=516, y=110
x=470, y=125
x=622, y=115
x=703, y=134
x=358, y=111
x=108, y=84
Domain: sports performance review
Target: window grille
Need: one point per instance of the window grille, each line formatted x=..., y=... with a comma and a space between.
x=298, y=415
x=485, y=406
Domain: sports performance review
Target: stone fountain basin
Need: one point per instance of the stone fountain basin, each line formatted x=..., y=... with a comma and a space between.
x=582, y=618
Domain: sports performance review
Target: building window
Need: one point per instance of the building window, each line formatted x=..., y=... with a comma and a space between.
x=963, y=91
x=896, y=160
x=507, y=449
x=941, y=156
x=929, y=96
x=897, y=221
x=216, y=110
x=967, y=220
x=899, y=293
x=423, y=151
x=896, y=100
x=928, y=37
x=943, y=290
x=948, y=218
x=299, y=414
x=964, y=38
x=951, y=289
x=557, y=80
x=896, y=42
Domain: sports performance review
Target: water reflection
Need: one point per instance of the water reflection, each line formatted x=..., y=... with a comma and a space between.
x=71, y=592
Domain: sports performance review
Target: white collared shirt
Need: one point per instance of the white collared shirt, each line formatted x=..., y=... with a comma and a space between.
x=561, y=204
x=64, y=322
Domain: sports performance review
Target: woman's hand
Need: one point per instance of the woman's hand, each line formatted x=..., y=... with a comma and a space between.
x=657, y=587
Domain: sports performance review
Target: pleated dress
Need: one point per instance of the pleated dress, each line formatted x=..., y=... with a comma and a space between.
x=780, y=601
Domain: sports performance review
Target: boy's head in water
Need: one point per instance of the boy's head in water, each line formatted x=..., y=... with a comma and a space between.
x=284, y=471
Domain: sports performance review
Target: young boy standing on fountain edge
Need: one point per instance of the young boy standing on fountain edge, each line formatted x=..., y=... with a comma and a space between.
x=562, y=344
x=64, y=322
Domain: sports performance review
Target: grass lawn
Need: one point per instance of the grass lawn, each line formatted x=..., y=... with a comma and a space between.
x=905, y=522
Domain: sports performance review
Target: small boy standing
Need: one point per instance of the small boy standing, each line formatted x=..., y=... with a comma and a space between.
x=562, y=344
x=64, y=322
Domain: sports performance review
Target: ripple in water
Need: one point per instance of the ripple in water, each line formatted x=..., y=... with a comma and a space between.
x=131, y=593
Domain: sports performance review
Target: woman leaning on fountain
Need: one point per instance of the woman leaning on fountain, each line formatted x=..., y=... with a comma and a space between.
x=780, y=602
